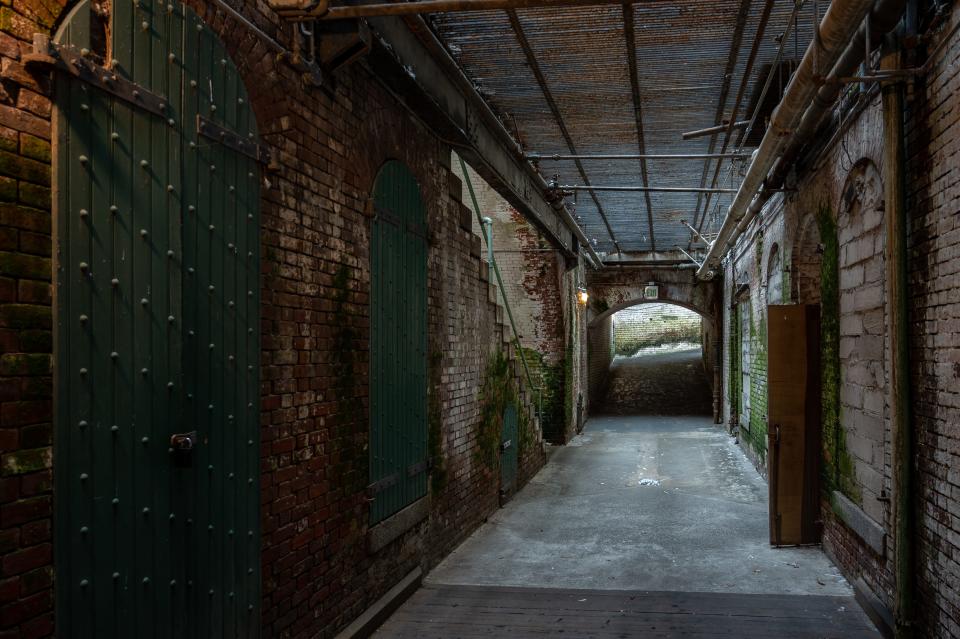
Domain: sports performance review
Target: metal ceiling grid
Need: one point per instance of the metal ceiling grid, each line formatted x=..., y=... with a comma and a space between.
x=683, y=52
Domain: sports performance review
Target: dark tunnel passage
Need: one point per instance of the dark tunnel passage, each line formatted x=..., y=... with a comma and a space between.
x=657, y=363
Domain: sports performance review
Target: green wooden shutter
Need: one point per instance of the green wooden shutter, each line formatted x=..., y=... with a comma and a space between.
x=157, y=306
x=509, y=450
x=398, y=343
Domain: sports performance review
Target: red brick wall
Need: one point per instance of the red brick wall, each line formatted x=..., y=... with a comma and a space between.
x=317, y=572
x=26, y=574
x=536, y=281
x=599, y=357
x=933, y=131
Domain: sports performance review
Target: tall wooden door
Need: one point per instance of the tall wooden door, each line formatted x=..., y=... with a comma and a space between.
x=793, y=404
x=157, y=300
x=398, y=344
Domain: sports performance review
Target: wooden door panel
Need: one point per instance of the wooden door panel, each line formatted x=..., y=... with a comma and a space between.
x=157, y=302
x=793, y=419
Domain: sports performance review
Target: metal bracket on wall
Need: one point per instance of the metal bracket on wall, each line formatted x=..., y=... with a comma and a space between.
x=232, y=140
x=49, y=56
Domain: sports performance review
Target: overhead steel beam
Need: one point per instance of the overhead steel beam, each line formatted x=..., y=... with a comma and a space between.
x=557, y=116
x=631, y=41
x=412, y=63
x=556, y=157
x=314, y=9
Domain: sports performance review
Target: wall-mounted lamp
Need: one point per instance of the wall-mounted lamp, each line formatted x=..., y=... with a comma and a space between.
x=582, y=295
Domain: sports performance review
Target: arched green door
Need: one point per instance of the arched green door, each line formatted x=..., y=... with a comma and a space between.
x=157, y=450
x=398, y=343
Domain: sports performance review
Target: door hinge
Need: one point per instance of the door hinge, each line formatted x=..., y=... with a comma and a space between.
x=232, y=140
x=49, y=56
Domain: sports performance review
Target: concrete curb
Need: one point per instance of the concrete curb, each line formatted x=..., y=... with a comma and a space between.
x=374, y=616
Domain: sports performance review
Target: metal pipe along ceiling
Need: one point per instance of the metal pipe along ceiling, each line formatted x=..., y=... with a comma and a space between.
x=838, y=27
x=307, y=9
x=883, y=17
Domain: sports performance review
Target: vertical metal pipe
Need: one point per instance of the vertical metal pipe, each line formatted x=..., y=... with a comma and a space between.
x=896, y=289
x=488, y=231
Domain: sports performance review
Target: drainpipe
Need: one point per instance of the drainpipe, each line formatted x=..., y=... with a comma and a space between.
x=894, y=187
x=838, y=27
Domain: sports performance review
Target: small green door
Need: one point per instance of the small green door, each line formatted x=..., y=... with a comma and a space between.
x=398, y=344
x=157, y=301
x=509, y=452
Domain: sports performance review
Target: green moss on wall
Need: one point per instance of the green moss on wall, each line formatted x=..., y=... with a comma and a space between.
x=550, y=380
x=733, y=385
x=757, y=435
x=838, y=471
x=498, y=391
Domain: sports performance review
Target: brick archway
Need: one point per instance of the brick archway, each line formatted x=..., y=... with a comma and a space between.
x=612, y=290
x=615, y=289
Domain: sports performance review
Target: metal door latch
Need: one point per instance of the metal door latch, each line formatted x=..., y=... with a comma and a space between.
x=181, y=445
x=183, y=441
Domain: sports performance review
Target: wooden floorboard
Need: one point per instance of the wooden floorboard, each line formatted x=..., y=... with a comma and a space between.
x=451, y=612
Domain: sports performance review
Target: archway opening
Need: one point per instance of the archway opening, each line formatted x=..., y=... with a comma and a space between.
x=657, y=363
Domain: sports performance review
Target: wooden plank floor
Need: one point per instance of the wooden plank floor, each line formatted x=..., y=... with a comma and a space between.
x=451, y=612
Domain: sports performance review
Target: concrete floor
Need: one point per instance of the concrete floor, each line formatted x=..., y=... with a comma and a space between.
x=641, y=503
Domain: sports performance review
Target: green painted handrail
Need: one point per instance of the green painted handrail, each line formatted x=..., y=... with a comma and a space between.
x=488, y=236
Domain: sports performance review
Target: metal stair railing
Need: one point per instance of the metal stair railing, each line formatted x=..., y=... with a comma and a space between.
x=486, y=224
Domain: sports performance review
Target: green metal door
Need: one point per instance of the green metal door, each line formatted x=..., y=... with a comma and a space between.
x=156, y=449
x=398, y=344
x=509, y=457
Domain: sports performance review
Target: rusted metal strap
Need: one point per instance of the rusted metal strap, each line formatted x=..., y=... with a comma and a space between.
x=73, y=61
x=390, y=217
x=381, y=485
x=415, y=469
x=390, y=480
x=232, y=140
